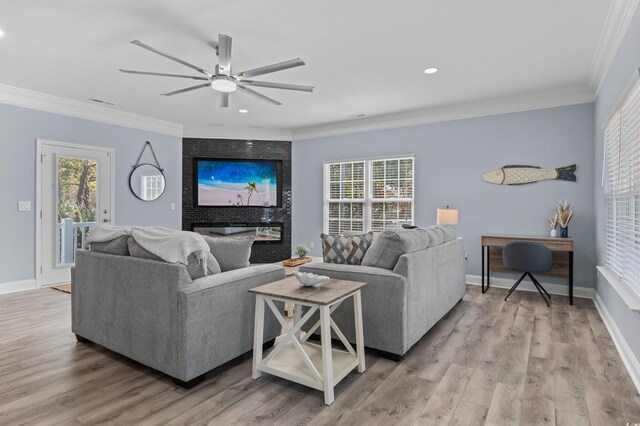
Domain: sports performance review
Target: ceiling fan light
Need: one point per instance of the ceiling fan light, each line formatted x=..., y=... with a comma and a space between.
x=223, y=83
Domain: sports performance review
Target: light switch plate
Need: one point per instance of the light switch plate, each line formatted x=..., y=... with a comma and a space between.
x=24, y=206
x=173, y=206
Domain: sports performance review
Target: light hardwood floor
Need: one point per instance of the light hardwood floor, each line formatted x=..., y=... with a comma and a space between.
x=487, y=362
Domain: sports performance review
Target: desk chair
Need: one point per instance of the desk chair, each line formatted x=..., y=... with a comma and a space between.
x=528, y=257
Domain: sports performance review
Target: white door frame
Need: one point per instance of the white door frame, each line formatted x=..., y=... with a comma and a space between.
x=112, y=198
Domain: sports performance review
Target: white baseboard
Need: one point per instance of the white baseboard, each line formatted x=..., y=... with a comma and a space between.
x=14, y=286
x=628, y=357
x=527, y=285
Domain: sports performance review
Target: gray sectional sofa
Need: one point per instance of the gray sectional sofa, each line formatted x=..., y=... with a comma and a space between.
x=414, y=277
x=152, y=312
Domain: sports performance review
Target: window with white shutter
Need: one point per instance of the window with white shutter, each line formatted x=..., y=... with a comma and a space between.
x=368, y=195
x=622, y=191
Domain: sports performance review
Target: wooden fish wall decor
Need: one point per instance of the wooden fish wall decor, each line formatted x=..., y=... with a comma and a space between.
x=520, y=175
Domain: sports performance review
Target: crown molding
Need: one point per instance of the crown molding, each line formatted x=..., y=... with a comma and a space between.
x=57, y=105
x=237, y=132
x=448, y=113
x=615, y=27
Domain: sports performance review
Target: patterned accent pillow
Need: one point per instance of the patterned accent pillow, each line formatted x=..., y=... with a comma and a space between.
x=345, y=249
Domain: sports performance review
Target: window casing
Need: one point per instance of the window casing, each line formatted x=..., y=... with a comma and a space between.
x=373, y=194
x=622, y=191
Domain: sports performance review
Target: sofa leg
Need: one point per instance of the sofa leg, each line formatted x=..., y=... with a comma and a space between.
x=191, y=383
x=269, y=344
x=391, y=356
x=82, y=339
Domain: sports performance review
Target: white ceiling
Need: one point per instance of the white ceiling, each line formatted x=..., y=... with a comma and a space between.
x=363, y=56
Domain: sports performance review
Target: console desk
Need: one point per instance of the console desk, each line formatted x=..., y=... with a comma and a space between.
x=561, y=249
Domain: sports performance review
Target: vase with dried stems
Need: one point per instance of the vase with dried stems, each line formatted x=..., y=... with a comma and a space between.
x=553, y=223
x=564, y=214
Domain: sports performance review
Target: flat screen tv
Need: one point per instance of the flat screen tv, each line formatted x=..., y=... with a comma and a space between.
x=237, y=183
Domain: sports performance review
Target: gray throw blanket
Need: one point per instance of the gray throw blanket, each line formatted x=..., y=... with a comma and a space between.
x=168, y=244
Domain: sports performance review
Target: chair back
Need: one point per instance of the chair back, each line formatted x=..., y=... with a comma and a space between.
x=527, y=256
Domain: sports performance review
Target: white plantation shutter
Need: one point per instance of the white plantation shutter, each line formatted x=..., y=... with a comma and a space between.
x=391, y=193
x=622, y=191
x=368, y=195
x=344, y=197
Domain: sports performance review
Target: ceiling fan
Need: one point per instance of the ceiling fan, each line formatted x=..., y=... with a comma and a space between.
x=222, y=80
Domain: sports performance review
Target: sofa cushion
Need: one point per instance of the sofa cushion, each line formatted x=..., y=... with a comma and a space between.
x=117, y=246
x=345, y=249
x=436, y=235
x=231, y=253
x=194, y=267
x=389, y=245
x=449, y=232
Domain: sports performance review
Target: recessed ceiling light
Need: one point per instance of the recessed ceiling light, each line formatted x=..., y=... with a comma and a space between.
x=431, y=70
x=243, y=111
x=1, y=33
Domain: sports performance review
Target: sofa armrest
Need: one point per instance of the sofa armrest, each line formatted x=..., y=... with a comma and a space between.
x=436, y=282
x=253, y=272
x=216, y=318
x=354, y=272
x=128, y=305
x=384, y=304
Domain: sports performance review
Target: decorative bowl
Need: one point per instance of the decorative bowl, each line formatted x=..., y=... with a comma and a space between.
x=308, y=279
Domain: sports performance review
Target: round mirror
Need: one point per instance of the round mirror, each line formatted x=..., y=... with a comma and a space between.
x=147, y=182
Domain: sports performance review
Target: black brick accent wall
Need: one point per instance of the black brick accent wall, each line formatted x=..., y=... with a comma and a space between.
x=243, y=149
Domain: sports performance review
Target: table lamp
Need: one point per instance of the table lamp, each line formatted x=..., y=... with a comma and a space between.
x=447, y=216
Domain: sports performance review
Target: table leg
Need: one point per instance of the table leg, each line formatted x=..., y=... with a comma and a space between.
x=482, y=247
x=297, y=315
x=258, y=334
x=327, y=360
x=488, y=267
x=571, y=278
x=357, y=311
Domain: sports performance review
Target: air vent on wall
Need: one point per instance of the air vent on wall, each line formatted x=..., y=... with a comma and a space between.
x=102, y=101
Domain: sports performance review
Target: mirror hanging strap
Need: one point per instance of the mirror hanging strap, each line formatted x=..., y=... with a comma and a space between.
x=148, y=144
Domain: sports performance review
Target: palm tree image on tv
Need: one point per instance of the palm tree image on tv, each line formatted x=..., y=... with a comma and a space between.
x=237, y=183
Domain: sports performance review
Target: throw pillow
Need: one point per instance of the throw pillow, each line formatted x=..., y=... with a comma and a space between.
x=348, y=250
x=231, y=253
x=407, y=226
x=117, y=246
x=194, y=267
x=136, y=250
x=393, y=243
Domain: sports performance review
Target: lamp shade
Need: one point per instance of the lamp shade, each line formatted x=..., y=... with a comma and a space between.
x=447, y=216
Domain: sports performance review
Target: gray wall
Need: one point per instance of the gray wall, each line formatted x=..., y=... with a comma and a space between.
x=626, y=63
x=449, y=159
x=19, y=129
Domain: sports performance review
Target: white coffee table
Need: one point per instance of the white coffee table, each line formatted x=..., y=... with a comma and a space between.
x=294, y=358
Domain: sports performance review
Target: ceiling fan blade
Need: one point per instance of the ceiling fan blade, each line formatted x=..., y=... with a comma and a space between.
x=224, y=103
x=258, y=95
x=188, y=89
x=224, y=54
x=160, y=74
x=277, y=85
x=270, y=68
x=173, y=58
